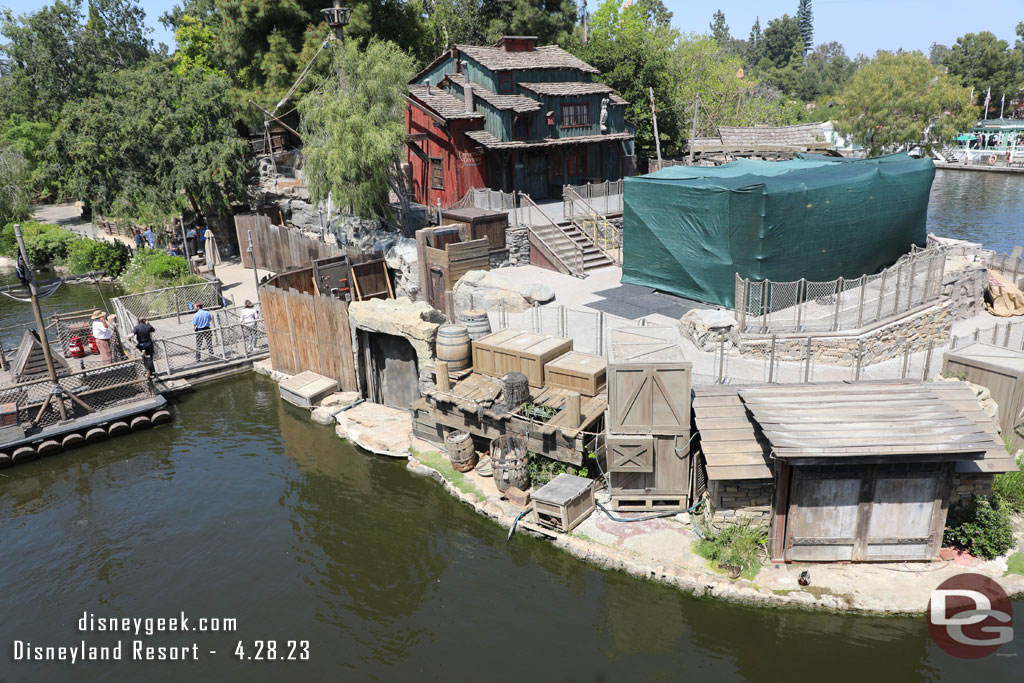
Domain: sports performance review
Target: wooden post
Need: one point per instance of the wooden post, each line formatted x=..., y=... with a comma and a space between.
x=860, y=360
x=910, y=288
x=927, y=361
x=881, y=295
x=801, y=300
x=764, y=305
x=654, y=121
x=896, y=296
x=839, y=304
x=693, y=125
x=443, y=381
x=600, y=333
x=1006, y=339
x=906, y=360
x=721, y=356
x=40, y=327
x=995, y=333
x=807, y=365
x=572, y=409
x=771, y=361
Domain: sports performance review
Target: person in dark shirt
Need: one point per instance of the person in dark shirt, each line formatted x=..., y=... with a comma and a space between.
x=143, y=334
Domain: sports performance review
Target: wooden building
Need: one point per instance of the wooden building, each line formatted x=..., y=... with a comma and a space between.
x=513, y=117
x=1001, y=371
x=845, y=472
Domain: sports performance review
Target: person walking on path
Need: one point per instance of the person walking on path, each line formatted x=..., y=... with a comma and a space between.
x=248, y=318
x=150, y=237
x=204, y=335
x=102, y=333
x=143, y=333
x=137, y=238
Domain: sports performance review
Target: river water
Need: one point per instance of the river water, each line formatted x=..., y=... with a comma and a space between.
x=242, y=509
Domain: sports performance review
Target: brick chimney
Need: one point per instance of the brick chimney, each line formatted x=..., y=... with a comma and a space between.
x=518, y=43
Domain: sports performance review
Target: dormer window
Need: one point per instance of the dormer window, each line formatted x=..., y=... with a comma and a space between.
x=505, y=82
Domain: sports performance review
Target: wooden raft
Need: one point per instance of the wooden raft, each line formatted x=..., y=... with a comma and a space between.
x=470, y=405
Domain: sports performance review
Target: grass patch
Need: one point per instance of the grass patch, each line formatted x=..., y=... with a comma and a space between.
x=736, y=545
x=1015, y=564
x=440, y=463
x=1009, y=487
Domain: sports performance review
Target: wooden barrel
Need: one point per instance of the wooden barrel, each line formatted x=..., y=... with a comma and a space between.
x=453, y=346
x=476, y=322
x=509, y=461
x=461, y=453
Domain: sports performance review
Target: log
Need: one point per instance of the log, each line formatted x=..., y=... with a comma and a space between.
x=572, y=409
x=443, y=381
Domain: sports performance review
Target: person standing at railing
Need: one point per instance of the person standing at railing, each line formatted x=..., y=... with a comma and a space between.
x=102, y=333
x=204, y=335
x=248, y=317
x=143, y=334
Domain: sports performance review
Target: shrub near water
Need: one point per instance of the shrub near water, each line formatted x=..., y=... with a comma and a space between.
x=45, y=243
x=740, y=545
x=86, y=256
x=980, y=526
x=155, y=269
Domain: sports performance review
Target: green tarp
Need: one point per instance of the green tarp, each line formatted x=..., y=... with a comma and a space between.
x=690, y=229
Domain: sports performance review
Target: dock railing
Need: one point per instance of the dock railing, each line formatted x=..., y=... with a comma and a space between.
x=605, y=235
x=227, y=340
x=913, y=282
x=605, y=196
x=166, y=303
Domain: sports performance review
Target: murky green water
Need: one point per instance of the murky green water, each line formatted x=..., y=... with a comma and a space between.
x=243, y=509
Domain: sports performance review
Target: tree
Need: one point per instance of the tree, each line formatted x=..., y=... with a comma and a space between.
x=936, y=52
x=900, y=100
x=720, y=30
x=825, y=73
x=805, y=17
x=631, y=47
x=149, y=140
x=455, y=22
x=30, y=140
x=353, y=132
x=781, y=53
x=982, y=61
x=552, y=21
x=15, y=197
x=753, y=55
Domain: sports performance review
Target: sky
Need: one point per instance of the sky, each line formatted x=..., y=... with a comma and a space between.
x=862, y=26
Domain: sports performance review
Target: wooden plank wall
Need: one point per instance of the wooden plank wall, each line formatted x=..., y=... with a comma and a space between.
x=307, y=332
x=277, y=247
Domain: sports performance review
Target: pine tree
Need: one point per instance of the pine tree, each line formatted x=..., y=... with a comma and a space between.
x=754, y=43
x=806, y=17
x=720, y=30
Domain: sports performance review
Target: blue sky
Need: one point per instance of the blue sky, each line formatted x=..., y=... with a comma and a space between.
x=860, y=25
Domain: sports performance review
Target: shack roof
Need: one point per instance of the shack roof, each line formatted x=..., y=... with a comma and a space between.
x=444, y=103
x=743, y=428
x=491, y=142
x=517, y=103
x=571, y=88
x=543, y=57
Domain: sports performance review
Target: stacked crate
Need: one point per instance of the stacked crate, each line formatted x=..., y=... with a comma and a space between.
x=507, y=351
x=647, y=448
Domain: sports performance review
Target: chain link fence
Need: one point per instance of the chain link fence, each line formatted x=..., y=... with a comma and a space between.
x=1008, y=335
x=228, y=339
x=164, y=303
x=80, y=393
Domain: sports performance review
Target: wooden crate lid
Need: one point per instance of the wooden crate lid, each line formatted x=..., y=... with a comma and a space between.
x=645, y=345
x=497, y=338
x=988, y=356
x=562, y=489
x=577, y=361
x=548, y=344
x=522, y=341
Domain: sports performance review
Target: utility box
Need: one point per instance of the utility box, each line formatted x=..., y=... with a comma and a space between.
x=307, y=389
x=506, y=351
x=648, y=382
x=1001, y=371
x=564, y=502
x=575, y=371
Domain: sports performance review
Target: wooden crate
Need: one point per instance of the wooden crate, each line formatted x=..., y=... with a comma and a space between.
x=648, y=382
x=563, y=502
x=8, y=414
x=483, y=223
x=509, y=351
x=575, y=371
x=307, y=389
x=649, y=464
x=1001, y=371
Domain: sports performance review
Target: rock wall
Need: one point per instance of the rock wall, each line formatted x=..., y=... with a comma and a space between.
x=415, y=321
x=738, y=501
x=517, y=240
x=969, y=485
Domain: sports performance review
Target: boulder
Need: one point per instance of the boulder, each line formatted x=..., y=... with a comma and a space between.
x=703, y=325
x=325, y=413
x=487, y=289
x=377, y=428
x=402, y=259
x=414, y=320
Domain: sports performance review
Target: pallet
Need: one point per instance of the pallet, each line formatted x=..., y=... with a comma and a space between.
x=648, y=502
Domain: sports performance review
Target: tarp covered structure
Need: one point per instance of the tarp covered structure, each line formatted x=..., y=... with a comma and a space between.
x=690, y=229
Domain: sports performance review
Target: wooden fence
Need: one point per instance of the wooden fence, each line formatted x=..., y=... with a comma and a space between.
x=307, y=332
x=276, y=247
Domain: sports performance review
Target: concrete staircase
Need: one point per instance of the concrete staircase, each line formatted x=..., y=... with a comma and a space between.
x=566, y=247
x=593, y=257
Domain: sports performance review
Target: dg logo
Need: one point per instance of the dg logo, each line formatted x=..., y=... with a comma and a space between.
x=970, y=616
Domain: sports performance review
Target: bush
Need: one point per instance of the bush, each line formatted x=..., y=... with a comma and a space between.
x=1009, y=488
x=86, y=256
x=980, y=526
x=45, y=243
x=737, y=545
x=543, y=469
x=155, y=269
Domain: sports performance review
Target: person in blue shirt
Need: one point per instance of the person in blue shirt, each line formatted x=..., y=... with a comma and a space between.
x=150, y=237
x=204, y=335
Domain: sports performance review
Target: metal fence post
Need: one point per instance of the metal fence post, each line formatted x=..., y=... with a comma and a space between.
x=771, y=361
x=896, y=294
x=177, y=313
x=600, y=333
x=721, y=356
x=910, y=288
x=995, y=333
x=167, y=359
x=906, y=360
x=764, y=305
x=1006, y=339
x=860, y=303
x=839, y=299
x=881, y=295
x=801, y=301
x=807, y=364
x=927, y=361
x=860, y=360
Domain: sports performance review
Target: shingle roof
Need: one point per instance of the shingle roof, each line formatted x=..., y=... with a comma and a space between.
x=516, y=103
x=492, y=142
x=544, y=57
x=443, y=102
x=572, y=88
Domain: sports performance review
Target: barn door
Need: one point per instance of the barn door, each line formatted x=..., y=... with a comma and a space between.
x=822, y=519
x=394, y=375
x=904, y=509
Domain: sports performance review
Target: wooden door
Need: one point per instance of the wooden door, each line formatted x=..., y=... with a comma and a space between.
x=537, y=177
x=436, y=285
x=867, y=513
x=394, y=371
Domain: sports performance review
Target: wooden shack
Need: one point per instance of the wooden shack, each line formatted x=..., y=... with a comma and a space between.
x=446, y=253
x=505, y=351
x=647, y=449
x=1001, y=371
x=845, y=472
x=483, y=223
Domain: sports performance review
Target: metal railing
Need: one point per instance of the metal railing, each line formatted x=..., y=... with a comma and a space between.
x=557, y=241
x=607, y=194
x=604, y=234
x=913, y=282
x=220, y=344
x=168, y=302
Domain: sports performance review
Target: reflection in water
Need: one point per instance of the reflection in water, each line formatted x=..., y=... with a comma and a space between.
x=977, y=206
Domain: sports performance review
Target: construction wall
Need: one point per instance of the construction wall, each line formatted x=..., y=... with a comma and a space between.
x=277, y=247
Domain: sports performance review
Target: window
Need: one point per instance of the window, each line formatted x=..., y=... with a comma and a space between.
x=436, y=173
x=576, y=163
x=521, y=128
x=505, y=82
x=575, y=114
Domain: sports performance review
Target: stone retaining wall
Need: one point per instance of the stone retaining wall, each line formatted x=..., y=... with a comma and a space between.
x=969, y=485
x=517, y=241
x=737, y=501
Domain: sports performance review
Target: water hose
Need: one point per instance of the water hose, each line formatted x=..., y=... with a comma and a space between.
x=658, y=515
x=512, y=529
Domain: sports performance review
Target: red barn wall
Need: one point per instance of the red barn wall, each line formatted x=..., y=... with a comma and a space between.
x=464, y=166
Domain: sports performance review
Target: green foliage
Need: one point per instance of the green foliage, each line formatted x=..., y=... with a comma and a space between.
x=980, y=526
x=982, y=61
x=196, y=47
x=1015, y=564
x=720, y=29
x=15, y=181
x=936, y=51
x=902, y=99
x=805, y=19
x=150, y=139
x=156, y=269
x=552, y=21
x=778, y=57
x=1009, y=488
x=45, y=243
x=30, y=139
x=86, y=256
x=543, y=469
x=353, y=132
x=826, y=72
x=537, y=412
x=740, y=545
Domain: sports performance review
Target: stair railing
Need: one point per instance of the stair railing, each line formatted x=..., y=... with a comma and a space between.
x=557, y=241
x=597, y=228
